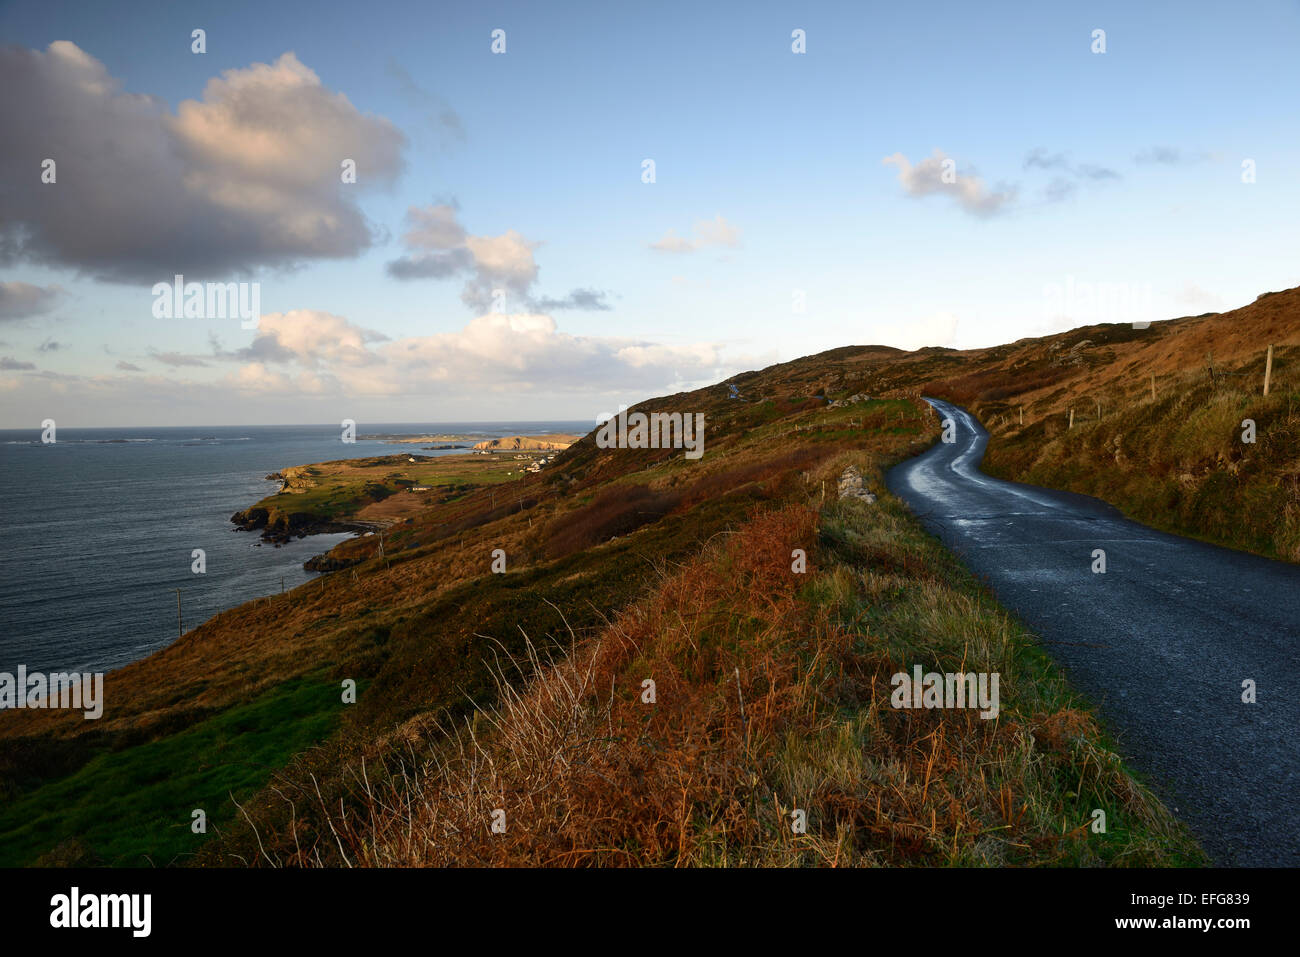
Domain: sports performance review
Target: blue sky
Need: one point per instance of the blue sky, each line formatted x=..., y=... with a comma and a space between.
x=1123, y=167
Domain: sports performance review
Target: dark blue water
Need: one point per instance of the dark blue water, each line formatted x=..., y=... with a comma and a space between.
x=96, y=534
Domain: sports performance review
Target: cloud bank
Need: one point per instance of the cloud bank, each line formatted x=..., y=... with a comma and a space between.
x=247, y=177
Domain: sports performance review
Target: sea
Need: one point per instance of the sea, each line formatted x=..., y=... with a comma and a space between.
x=98, y=530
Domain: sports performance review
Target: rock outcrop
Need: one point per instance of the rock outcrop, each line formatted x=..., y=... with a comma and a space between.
x=851, y=400
x=327, y=563
x=280, y=527
x=851, y=486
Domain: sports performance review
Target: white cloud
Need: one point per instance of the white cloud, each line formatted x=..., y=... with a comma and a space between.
x=308, y=351
x=439, y=247
x=314, y=338
x=707, y=232
x=434, y=227
x=927, y=178
x=508, y=257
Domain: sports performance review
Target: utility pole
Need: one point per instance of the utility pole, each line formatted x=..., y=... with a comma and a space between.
x=1268, y=369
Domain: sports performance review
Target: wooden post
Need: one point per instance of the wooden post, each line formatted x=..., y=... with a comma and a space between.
x=1022, y=415
x=1071, y=418
x=1268, y=369
x=1153, y=387
x=1098, y=408
x=180, y=625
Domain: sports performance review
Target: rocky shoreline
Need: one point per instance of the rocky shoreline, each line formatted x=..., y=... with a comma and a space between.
x=328, y=563
x=281, y=527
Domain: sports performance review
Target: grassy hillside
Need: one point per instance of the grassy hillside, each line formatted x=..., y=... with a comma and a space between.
x=1177, y=460
x=439, y=645
x=129, y=806
x=522, y=691
x=771, y=696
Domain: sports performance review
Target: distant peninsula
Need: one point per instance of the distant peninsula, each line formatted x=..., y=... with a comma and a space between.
x=555, y=442
x=362, y=494
x=549, y=442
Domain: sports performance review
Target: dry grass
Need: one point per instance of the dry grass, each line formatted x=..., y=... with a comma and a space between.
x=1179, y=462
x=584, y=770
x=614, y=511
x=771, y=695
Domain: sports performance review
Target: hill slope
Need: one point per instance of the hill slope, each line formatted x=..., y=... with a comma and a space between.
x=623, y=564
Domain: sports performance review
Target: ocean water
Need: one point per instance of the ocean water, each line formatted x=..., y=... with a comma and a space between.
x=97, y=530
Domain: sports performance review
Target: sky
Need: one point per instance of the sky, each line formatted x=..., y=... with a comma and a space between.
x=618, y=201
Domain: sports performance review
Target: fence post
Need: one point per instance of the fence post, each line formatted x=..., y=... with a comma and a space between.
x=1268, y=369
x=1071, y=418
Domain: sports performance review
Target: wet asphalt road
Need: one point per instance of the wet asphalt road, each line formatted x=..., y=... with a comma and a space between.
x=1161, y=642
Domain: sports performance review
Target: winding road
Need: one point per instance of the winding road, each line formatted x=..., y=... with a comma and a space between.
x=1161, y=642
